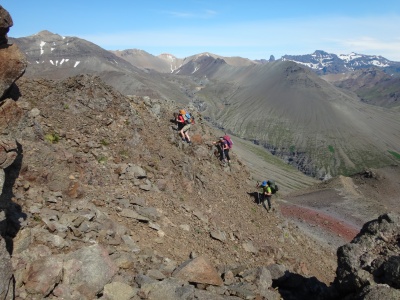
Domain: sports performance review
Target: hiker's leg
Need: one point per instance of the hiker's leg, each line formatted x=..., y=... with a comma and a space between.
x=221, y=152
x=263, y=201
x=187, y=127
x=187, y=136
x=227, y=155
x=269, y=201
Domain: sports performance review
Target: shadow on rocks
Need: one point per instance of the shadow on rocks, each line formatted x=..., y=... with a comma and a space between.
x=13, y=92
x=255, y=196
x=293, y=286
x=10, y=226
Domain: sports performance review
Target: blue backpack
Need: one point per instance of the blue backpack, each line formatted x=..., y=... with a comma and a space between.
x=188, y=118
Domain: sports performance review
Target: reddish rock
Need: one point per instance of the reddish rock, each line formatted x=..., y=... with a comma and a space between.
x=198, y=270
x=12, y=66
x=43, y=275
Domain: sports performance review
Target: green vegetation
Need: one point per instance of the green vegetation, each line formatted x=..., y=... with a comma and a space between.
x=104, y=142
x=395, y=154
x=102, y=159
x=292, y=148
x=331, y=150
x=124, y=153
x=66, y=106
x=37, y=218
x=52, y=138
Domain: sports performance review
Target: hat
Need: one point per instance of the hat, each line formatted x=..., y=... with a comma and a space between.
x=264, y=183
x=182, y=112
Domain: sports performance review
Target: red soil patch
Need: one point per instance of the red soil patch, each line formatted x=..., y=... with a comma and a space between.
x=324, y=221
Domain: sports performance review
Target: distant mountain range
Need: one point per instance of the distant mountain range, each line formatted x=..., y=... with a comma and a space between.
x=326, y=63
x=312, y=110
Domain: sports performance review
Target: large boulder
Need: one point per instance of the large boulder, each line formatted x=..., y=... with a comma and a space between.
x=371, y=259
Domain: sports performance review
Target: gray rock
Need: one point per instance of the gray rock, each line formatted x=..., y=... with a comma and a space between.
x=88, y=269
x=249, y=247
x=118, y=291
x=128, y=213
x=372, y=256
x=200, y=216
x=149, y=212
x=6, y=273
x=169, y=289
x=22, y=241
x=218, y=235
x=130, y=243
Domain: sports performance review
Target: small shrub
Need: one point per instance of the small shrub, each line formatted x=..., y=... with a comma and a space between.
x=37, y=218
x=52, y=138
x=331, y=150
x=124, y=154
x=102, y=159
x=104, y=142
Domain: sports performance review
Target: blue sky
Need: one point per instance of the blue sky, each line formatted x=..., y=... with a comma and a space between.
x=251, y=29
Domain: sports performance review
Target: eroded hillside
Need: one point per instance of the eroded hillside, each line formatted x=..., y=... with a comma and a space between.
x=100, y=168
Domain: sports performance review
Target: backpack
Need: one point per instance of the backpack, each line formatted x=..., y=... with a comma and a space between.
x=189, y=119
x=228, y=141
x=274, y=187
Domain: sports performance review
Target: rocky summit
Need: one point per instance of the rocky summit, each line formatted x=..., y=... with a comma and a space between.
x=101, y=199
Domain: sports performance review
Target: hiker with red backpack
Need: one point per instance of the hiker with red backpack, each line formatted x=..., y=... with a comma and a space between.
x=224, y=144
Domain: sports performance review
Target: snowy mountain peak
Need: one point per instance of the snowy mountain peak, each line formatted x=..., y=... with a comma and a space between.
x=325, y=63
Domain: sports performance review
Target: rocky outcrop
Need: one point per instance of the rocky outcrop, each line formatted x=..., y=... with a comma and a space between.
x=370, y=264
x=5, y=23
x=12, y=66
x=12, y=61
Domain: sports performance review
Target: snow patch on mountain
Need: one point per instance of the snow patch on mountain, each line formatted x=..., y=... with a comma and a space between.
x=324, y=62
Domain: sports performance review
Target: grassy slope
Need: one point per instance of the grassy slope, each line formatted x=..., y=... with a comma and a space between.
x=293, y=112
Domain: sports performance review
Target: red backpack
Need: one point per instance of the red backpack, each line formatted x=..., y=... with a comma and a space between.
x=227, y=138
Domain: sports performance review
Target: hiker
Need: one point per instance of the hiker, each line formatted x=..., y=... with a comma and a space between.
x=223, y=146
x=183, y=126
x=265, y=195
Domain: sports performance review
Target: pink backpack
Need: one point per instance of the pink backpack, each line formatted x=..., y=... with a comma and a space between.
x=228, y=140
